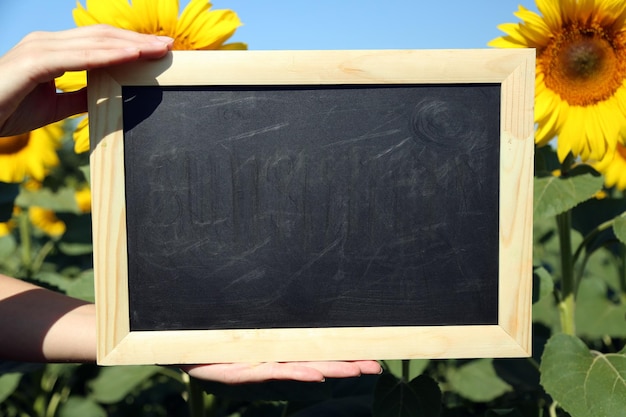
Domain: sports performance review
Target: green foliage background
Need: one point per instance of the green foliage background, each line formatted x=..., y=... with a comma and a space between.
x=578, y=367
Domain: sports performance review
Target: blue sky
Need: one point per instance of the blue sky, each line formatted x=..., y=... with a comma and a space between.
x=320, y=24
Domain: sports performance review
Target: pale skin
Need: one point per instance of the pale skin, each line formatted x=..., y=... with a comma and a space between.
x=39, y=325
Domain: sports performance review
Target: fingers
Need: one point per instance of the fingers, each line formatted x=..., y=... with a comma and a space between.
x=342, y=369
x=47, y=55
x=93, y=31
x=83, y=48
x=97, y=36
x=97, y=45
x=239, y=373
x=369, y=367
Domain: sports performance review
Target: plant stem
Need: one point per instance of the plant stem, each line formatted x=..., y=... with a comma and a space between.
x=196, y=398
x=568, y=286
x=26, y=243
x=622, y=270
x=41, y=256
x=552, y=409
x=406, y=370
x=568, y=283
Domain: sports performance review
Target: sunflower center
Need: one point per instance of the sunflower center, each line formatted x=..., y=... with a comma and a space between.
x=584, y=65
x=584, y=59
x=13, y=144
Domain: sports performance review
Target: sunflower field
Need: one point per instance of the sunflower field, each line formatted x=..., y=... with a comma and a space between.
x=578, y=364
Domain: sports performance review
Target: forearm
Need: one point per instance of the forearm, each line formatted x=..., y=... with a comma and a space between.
x=39, y=325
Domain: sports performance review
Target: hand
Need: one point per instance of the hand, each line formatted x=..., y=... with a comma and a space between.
x=239, y=373
x=28, y=97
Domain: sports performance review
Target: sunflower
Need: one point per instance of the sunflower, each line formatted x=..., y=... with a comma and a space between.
x=83, y=199
x=197, y=28
x=613, y=168
x=6, y=228
x=581, y=72
x=31, y=154
x=46, y=220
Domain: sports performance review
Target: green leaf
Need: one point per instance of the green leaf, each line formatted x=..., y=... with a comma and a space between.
x=63, y=200
x=619, y=228
x=394, y=398
x=604, y=265
x=86, y=172
x=477, y=381
x=81, y=407
x=545, y=312
x=543, y=284
x=8, y=384
x=416, y=367
x=82, y=287
x=585, y=383
x=7, y=247
x=596, y=314
x=52, y=279
x=75, y=249
x=116, y=383
x=555, y=195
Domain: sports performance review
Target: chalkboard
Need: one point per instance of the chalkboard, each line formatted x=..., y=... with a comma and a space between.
x=309, y=207
x=250, y=208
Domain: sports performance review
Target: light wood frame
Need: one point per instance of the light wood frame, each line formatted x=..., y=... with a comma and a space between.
x=513, y=69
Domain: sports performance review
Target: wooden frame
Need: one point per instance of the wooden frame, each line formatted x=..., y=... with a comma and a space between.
x=513, y=69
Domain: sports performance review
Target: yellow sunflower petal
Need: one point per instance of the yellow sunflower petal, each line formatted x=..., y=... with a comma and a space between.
x=82, y=17
x=514, y=36
x=204, y=28
x=30, y=155
x=504, y=42
x=534, y=28
x=156, y=16
x=613, y=168
x=571, y=132
x=111, y=12
x=187, y=20
x=551, y=13
x=549, y=115
x=563, y=149
x=83, y=199
x=235, y=46
x=81, y=136
x=6, y=228
x=585, y=8
x=46, y=221
x=72, y=81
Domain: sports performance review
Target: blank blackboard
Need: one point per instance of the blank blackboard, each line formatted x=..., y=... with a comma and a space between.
x=304, y=206
x=279, y=217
